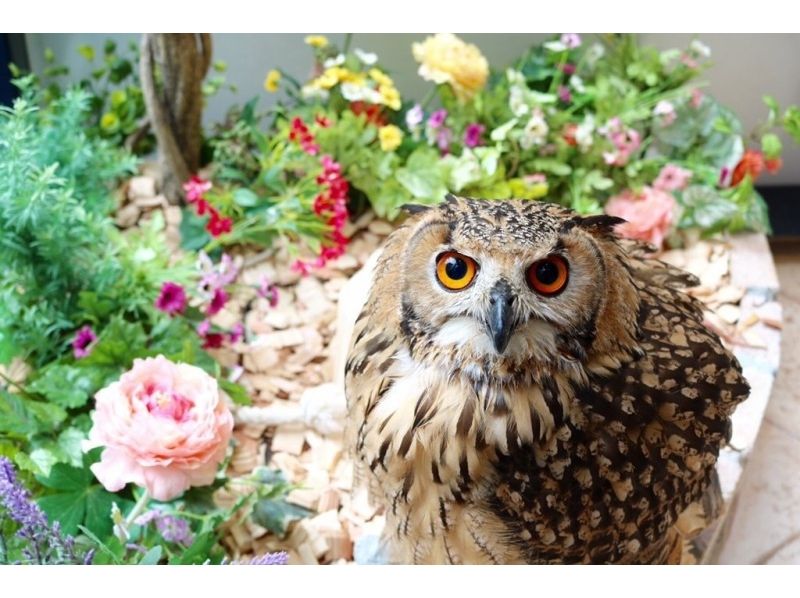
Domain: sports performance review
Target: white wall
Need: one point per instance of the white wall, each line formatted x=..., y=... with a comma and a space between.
x=746, y=66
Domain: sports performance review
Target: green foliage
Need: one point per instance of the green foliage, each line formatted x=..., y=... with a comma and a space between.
x=54, y=229
x=117, y=110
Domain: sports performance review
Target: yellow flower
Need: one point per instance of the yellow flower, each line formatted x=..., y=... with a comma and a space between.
x=380, y=77
x=444, y=58
x=272, y=81
x=335, y=75
x=390, y=137
x=109, y=122
x=118, y=97
x=390, y=97
x=316, y=41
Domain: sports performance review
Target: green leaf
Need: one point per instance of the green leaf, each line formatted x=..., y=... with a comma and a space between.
x=236, y=392
x=197, y=553
x=771, y=146
x=151, y=557
x=791, y=122
x=276, y=515
x=193, y=230
x=68, y=386
x=68, y=508
x=86, y=51
x=245, y=198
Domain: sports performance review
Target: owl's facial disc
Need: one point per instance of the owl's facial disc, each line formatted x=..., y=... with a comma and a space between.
x=500, y=320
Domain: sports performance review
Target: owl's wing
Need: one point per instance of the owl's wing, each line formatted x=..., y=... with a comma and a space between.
x=642, y=443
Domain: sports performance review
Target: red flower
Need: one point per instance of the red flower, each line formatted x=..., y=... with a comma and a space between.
x=322, y=121
x=213, y=340
x=752, y=163
x=773, y=165
x=569, y=134
x=218, y=301
x=373, y=112
x=217, y=225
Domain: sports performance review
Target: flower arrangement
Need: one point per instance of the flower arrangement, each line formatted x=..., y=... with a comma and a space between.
x=601, y=125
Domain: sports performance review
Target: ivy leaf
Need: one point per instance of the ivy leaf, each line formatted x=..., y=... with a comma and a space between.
x=276, y=515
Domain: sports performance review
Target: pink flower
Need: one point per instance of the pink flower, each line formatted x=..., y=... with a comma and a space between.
x=437, y=119
x=672, y=178
x=218, y=301
x=571, y=40
x=195, y=187
x=625, y=141
x=568, y=68
x=172, y=298
x=649, y=215
x=82, y=343
x=268, y=291
x=236, y=333
x=164, y=427
x=203, y=328
x=472, y=134
x=697, y=98
x=219, y=276
x=666, y=111
x=443, y=138
x=564, y=94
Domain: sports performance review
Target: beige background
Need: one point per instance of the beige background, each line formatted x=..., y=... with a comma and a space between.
x=745, y=66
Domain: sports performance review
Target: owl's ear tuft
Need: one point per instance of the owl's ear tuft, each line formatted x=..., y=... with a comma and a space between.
x=414, y=208
x=450, y=199
x=602, y=223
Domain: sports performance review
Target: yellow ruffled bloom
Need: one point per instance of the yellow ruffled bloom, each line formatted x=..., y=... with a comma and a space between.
x=109, y=122
x=390, y=137
x=388, y=92
x=272, y=81
x=316, y=41
x=445, y=58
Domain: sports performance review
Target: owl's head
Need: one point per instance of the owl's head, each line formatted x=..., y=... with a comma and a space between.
x=499, y=284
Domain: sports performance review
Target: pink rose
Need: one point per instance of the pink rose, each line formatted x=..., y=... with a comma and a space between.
x=164, y=427
x=649, y=215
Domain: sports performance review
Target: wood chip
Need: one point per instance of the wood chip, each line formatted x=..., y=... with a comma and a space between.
x=289, y=439
x=141, y=187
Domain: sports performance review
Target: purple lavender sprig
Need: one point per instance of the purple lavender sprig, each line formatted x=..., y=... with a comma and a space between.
x=40, y=543
x=269, y=558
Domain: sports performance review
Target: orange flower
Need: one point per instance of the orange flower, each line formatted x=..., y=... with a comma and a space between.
x=752, y=163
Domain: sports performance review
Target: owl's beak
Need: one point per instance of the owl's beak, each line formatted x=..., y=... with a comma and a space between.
x=501, y=315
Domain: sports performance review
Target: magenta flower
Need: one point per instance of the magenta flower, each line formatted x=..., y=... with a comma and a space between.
x=268, y=291
x=218, y=301
x=437, y=119
x=172, y=299
x=443, y=138
x=82, y=343
x=571, y=40
x=472, y=134
x=195, y=187
x=564, y=95
x=568, y=68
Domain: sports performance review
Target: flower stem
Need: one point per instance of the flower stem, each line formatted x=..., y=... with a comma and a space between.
x=429, y=97
x=137, y=508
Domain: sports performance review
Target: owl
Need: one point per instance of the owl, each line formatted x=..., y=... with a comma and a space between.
x=525, y=387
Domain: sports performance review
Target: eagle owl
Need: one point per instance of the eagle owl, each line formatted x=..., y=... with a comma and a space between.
x=525, y=387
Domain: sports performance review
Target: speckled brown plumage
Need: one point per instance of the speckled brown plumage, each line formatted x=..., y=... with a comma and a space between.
x=582, y=441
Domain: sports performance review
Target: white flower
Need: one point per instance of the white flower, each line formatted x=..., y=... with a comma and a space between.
x=309, y=92
x=555, y=46
x=577, y=84
x=414, y=117
x=501, y=132
x=518, y=102
x=354, y=93
x=515, y=77
x=335, y=61
x=535, y=131
x=368, y=58
x=583, y=133
x=700, y=48
x=595, y=53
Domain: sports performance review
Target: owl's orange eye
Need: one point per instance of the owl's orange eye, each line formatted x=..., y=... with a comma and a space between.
x=455, y=271
x=549, y=276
